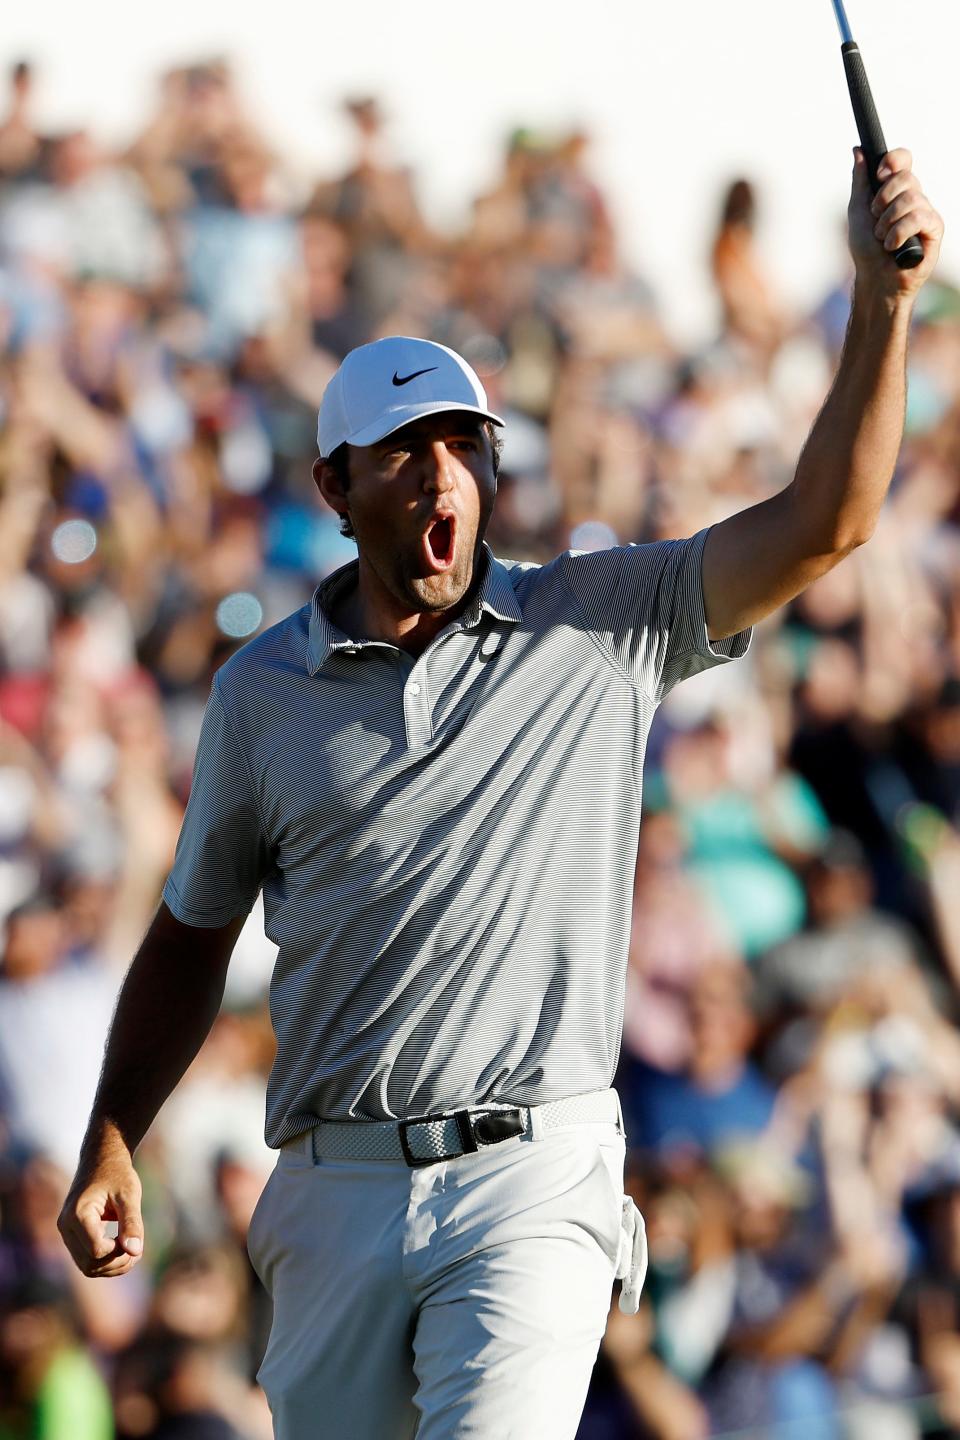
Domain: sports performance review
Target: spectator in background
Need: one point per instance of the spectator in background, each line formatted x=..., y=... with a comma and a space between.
x=199, y=122
x=336, y=319
x=800, y=1306
x=742, y=847
x=845, y=935
x=54, y=1018
x=720, y=1094
x=928, y=1303
x=751, y=314
x=375, y=203
x=677, y=938
x=30, y=1194
x=166, y=1388
x=49, y=1386
x=21, y=147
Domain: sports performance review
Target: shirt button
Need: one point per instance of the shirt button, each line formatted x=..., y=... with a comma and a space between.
x=414, y=689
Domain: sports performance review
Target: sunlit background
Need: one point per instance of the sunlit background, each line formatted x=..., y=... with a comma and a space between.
x=677, y=99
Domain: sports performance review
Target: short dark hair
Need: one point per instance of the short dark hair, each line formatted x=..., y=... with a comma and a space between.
x=339, y=461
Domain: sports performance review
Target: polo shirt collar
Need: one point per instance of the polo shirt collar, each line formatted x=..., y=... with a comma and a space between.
x=496, y=596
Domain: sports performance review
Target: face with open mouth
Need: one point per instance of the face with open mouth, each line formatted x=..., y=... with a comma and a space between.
x=419, y=502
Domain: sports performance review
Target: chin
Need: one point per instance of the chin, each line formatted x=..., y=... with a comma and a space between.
x=439, y=592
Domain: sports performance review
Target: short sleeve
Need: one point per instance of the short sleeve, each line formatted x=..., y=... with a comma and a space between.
x=222, y=856
x=644, y=604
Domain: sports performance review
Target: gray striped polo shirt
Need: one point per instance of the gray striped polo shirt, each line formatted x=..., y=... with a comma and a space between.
x=446, y=843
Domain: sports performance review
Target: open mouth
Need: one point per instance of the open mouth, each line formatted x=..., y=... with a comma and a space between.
x=438, y=543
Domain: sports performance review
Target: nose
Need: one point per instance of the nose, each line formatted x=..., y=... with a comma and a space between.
x=439, y=468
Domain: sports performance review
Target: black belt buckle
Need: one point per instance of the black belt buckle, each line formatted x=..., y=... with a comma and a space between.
x=487, y=1129
x=414, y=1161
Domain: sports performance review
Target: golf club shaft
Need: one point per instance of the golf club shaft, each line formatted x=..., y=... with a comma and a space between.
x=845, y=33
x=868, y=126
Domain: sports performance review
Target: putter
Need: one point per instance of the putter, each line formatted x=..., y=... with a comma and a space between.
x=868, y=125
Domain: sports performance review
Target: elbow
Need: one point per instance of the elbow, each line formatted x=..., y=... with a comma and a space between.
x=848, y=536
x=862, y=530
x=853, y=541
x=831, y=533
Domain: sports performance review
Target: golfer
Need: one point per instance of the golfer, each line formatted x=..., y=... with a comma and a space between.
x=432, y=771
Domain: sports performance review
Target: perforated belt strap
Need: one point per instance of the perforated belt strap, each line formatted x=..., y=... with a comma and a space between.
x=594, y=1108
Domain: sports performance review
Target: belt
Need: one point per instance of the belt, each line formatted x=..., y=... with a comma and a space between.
x=428, y=1139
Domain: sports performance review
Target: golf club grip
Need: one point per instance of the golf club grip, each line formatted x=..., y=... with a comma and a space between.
x=871, y=138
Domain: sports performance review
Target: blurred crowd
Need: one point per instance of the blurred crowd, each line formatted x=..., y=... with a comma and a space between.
x=169, y=317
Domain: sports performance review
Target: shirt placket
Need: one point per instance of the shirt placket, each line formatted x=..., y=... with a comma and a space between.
x=417, y=716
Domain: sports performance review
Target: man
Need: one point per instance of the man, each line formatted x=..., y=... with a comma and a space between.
x=433, y=772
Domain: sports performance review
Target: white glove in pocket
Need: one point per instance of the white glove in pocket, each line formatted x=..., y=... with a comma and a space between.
x=632, y=1257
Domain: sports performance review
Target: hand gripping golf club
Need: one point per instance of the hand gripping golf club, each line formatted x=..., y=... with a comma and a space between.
x=868, y=125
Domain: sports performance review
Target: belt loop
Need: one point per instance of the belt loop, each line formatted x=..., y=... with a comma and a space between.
x=535, y=1113
x=620, y=1124
x=465, y=1131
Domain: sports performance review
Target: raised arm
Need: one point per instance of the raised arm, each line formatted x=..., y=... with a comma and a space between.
x=759, y=559
x=166, y=1007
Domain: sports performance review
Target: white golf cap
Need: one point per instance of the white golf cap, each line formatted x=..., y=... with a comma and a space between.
x=385, y=384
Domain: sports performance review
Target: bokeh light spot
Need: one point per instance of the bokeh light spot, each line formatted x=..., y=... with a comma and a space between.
x=592, y=535
x=73, y=541
x=239, y=614
x=485, y=353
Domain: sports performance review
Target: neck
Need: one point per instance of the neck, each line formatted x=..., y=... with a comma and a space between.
x=371, y=612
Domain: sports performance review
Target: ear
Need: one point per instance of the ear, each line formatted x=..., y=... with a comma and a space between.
x=329, y=484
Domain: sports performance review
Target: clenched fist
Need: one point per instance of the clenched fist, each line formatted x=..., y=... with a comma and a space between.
x=109, y=1190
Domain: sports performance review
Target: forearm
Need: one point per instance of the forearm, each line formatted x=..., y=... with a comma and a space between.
x=164, y=1012
x=806, y=1323
x=867, y=1314
x=848, y=461
x=800, y=1330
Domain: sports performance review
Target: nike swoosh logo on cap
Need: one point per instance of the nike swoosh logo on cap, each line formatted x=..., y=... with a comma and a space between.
x=407, y=378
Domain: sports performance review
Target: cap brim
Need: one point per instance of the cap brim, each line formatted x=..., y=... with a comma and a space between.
x=396, y=418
